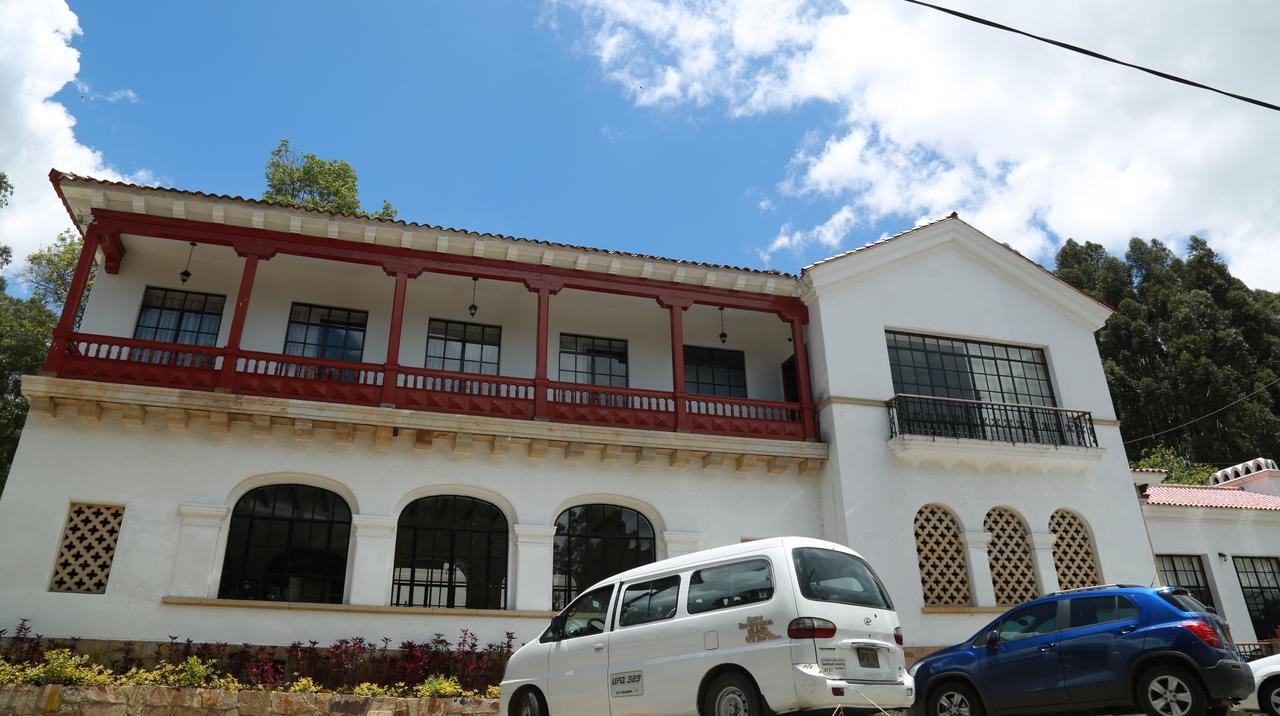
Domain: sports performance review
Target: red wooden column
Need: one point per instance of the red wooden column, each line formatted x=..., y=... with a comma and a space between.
x=545, y=287
x=75, y=294
x=802, y=377
x=231, y=353
x=677, y=306
x=391, y=367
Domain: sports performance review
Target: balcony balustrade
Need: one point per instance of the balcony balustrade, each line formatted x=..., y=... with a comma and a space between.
x=996, y=422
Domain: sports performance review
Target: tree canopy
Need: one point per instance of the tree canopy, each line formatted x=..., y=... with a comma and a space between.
x=1188, y=340
x=314, y=183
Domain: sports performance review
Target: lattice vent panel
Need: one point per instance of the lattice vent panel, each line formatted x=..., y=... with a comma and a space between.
x=1013, y=573
x=87, y=549
x=1074, y=557
x=944, y=570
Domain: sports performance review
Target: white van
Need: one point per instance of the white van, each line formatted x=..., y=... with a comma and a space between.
x=786, y=624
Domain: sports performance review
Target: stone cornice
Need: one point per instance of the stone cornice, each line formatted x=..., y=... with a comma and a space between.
x=302, y=420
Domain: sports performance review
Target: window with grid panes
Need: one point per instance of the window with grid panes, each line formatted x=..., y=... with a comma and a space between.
x=594, y=361
x=185, y=317
x=1260, y=582
x=325, y=332
x=595, y=541
x=451, y=551
x=463, y=347
x=968, y=370
x=1186, y=571
x=715, y=371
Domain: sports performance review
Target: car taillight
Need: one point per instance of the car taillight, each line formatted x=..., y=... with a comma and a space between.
x=897, y=635
x=1205, y=631
x=811, y=628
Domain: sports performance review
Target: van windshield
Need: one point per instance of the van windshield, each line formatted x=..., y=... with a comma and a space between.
x=826, y=575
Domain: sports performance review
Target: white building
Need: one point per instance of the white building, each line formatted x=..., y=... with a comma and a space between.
x=307, y=426
x=1221, y=542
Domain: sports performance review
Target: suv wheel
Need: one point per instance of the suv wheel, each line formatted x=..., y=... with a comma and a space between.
x=1171, y=691
x=955, y=698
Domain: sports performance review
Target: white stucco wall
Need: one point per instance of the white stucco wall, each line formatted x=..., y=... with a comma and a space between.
x=152, y=470
x=1217, y=536
x=948, y=290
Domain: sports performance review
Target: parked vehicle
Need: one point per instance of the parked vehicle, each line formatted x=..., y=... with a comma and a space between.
x=1266, y=698
x=1101, y=649
x=786, y=624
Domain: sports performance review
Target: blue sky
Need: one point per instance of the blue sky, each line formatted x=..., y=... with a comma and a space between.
x=479, y=115
x=716, y=130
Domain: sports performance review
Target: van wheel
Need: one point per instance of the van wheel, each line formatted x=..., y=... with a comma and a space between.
x=1269, y=697
x=528, y=703
x=955, y=698
x=1171, y=691
x=732, y=694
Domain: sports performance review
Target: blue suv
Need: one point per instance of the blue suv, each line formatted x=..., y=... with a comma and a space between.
x=1103, y=649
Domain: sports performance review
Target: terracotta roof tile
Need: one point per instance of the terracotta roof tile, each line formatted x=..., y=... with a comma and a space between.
x=1198, y=496
x=57, y=175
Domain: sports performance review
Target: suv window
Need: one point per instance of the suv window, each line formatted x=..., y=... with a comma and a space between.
x=730, y=585
x=826, y=575
x=650, y=601
x=586, y=615
x=1181, y=600
x=1035, y=620
x=1086, y=611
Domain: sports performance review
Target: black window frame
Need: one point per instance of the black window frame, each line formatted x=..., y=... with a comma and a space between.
x=469, y=548
x=571, y=570
x=1264, y=606
x=1174, y=570
x=443, y=339
x=585, y=346
x=713, y=364
x=651, y=586
x=257, y=522
x=181, y=312
x=714, y=606
x=963, y=369
x=325, y=326
x=1115, y=607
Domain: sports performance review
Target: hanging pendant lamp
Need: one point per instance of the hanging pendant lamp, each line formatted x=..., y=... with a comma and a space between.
x=185, y=275
x=724, y=337
x=473, y=307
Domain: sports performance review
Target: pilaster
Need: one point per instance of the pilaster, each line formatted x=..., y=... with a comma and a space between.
x=984, y=593
x=371, y=561
x=1046, y=570
x=197, y=549
x=534, y=564
x=682, y=543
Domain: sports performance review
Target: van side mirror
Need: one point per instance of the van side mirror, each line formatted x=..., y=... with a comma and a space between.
x=993, y=638
x=556, y=631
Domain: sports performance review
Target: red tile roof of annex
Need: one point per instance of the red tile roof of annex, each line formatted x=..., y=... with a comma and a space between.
x=1200, y=496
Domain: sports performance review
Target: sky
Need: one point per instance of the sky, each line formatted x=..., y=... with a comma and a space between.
x=762, y=133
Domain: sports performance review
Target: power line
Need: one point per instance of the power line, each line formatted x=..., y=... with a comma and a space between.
x=1095, y=55
x=1206, y=415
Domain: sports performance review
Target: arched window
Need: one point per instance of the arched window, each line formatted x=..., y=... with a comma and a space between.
x=594, y=542
x=1074, y=557
x=451, y=551
x=944, y=569
x=1013, y=574
x=287, y=543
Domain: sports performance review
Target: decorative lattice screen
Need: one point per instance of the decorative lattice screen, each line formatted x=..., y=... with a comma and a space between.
x=1073, y=555
x=944, y=571
x=1013, y=574
x=88, y=546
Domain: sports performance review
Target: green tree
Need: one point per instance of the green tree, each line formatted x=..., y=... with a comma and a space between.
x=313, y=183
x=25, y=325
x=1181, y=471
x=1187, y=339
x=49, y=271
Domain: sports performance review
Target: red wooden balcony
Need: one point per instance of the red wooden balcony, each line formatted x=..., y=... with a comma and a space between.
x=137, y=362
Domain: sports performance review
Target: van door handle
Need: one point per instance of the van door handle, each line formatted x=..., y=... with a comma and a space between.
x=598, y=647
x=1047, y=647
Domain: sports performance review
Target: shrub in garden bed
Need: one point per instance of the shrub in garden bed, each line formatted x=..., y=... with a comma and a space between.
x=437, y=668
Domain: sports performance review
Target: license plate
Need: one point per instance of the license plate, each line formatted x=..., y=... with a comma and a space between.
x=868, y=658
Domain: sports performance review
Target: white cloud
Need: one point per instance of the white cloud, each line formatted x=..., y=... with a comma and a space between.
x=37, y=133
x=1030, y=143
x=89, y=94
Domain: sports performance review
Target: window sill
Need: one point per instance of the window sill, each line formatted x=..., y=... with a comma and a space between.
x=917, y=449
x=964, y=610
x=355, y=608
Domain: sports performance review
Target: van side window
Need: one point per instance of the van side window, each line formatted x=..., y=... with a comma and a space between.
x=826, y=575
x=586, y=616
x=650, y=601
x=730, y=585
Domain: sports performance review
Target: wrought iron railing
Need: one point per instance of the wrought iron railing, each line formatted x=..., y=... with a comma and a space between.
x=997, y=422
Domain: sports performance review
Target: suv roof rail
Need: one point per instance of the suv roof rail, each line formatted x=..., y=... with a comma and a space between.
x=1095, y=588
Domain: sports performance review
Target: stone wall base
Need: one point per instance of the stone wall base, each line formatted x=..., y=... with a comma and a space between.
x=168, y=701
